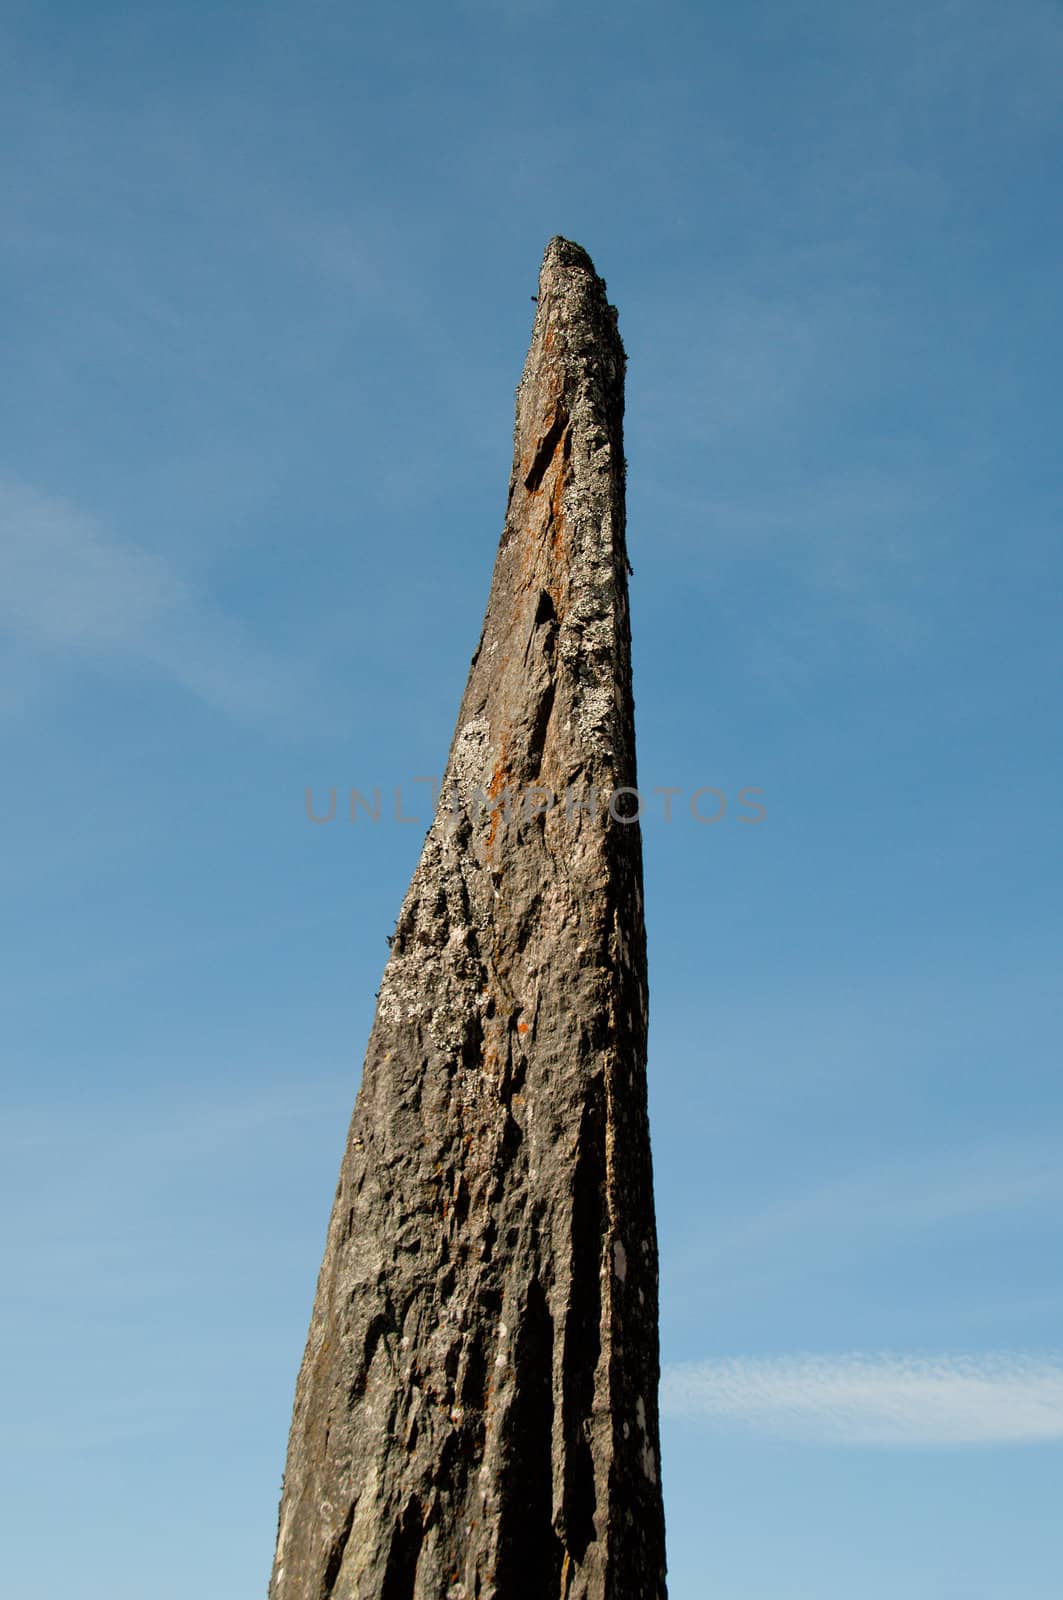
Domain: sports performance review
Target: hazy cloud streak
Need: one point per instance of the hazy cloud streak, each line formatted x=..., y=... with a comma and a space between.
x=69, y=588
x=884, y=1399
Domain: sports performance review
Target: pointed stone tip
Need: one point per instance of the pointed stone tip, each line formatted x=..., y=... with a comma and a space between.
x=561, y=259
x=570, y=289
x=566, y=253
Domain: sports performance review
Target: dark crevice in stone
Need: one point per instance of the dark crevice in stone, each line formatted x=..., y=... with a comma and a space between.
x=472, y=1044
x=474, y=1378
x=537, y=737
x=334, y=1560
x=545, y=453
x=378, y=1327
x=583, y=1331
x=546, y=610
x=400, y=1575
x=530, y=1554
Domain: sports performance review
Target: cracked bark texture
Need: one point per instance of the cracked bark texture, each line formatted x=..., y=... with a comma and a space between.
x=476, y=1412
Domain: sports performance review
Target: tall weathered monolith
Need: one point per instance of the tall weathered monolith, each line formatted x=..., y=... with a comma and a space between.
x=476, y=1413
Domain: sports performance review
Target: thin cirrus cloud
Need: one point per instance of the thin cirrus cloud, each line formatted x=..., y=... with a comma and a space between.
x=867, y=1210
x=883, y=1400
x=70, y=590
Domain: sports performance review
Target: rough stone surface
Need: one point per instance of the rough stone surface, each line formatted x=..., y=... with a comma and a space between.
x=476, y=1413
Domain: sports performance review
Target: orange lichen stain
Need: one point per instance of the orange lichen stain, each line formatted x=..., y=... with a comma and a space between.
x=323, y=1354
x=499, y=781
x=557, y=510
x=491, y=1057
x=548, y=528
x=522, y=1027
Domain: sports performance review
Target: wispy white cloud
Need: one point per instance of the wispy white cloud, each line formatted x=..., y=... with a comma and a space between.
x=182, y=1126
x=844, y=530
x=895, y=1218
x=881, y=1207
x=883, y=1399
x=68, y=588
x=63, y=583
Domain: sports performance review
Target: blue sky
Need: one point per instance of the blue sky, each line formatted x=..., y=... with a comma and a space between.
x=267, y=272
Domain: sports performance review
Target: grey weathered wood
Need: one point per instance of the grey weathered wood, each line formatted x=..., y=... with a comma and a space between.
x=476, y=1413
